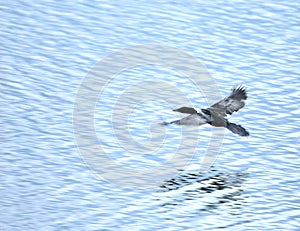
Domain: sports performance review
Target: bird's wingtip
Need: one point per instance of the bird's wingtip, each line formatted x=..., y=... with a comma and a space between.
x=239, y=92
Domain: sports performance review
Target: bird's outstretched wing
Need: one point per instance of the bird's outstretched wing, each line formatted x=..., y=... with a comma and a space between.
x=237, y=129
x=232, y=103
x=187, y=110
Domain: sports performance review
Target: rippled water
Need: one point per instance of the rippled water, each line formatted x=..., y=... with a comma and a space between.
x=48, y=48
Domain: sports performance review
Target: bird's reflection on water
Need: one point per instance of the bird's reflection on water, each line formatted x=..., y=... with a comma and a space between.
x=213, y=189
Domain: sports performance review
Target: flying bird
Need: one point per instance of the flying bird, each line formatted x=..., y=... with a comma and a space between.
x=216, y=115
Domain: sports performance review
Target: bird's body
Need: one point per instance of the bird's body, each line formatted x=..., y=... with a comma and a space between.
x=193, y=120
x=216, y=115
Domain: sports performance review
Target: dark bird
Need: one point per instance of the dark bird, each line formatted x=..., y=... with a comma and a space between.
x=216, y=115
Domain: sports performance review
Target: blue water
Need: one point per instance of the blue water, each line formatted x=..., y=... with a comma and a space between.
x=49, y=47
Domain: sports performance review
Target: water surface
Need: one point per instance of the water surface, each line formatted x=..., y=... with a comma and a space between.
x=47, y=49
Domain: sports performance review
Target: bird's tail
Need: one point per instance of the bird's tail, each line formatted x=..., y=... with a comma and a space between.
x=237, y=129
